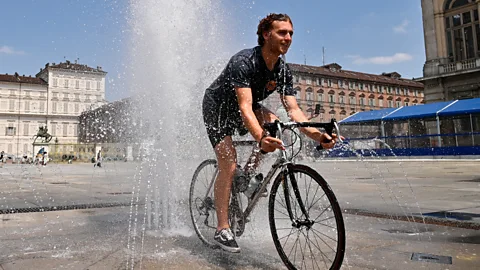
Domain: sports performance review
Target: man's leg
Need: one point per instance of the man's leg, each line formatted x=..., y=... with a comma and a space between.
x=227, y=162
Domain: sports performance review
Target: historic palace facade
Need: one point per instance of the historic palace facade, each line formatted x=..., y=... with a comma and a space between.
x=452, y=45
x=54, y=99
x=339, y=93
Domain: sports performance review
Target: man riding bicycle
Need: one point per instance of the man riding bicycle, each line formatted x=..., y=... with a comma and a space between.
x=231, y=104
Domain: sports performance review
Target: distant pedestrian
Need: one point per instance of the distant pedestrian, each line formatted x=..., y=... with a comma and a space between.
x=1, y=156
x=99, y=159
x=45, y=158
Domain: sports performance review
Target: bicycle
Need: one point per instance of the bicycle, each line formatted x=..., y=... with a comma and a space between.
x=300, y=207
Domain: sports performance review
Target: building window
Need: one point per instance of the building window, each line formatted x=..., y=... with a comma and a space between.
x=352, y=101
x=397, y=90
x=77, y=84
x=399, y=104
x=308, y=80
x=65, y=83
x=351, y=85
x=361, y=86
x=65, y=107
x=371, y=102
x=309, y=96
x=320, y=97
x=380, y=102
x=10, y=131
x=77, y=107
x=98, y=85
x=88, y=85
x=75, y=130
x=54, y=129
x=26, y=129
x=390, y=104
x=329, y=83
x=65, y=130
x=54, y=107
x=55, y=82
x=462, y=30
x=341, y=99
x=331, y=98
x=12, y=105
x=362, y=101
x=340, y=83
x=42, y=106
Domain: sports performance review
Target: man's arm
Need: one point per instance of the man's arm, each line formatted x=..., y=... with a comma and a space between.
x=297, y=115
x=245, y=101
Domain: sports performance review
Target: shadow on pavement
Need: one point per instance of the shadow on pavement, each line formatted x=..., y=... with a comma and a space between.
x=246, y=258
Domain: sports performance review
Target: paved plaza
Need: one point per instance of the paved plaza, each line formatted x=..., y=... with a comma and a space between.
x=100, y=228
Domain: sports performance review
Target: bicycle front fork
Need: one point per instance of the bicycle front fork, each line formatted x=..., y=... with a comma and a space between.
x=289, y=179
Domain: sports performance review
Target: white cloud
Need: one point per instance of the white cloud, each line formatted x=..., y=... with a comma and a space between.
x=381, y=60
x=402, y=28
x=10, y=50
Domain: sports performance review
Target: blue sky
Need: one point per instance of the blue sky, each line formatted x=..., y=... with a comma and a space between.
x=372, y=36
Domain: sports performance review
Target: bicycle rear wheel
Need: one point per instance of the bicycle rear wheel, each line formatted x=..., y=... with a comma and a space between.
x=312, y=241
x=201, y=201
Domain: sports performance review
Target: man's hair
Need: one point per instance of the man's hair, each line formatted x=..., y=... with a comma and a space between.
x=265, y=25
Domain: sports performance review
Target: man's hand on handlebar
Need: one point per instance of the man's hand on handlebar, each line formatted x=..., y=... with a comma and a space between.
x=327, y=141
x=270, y=144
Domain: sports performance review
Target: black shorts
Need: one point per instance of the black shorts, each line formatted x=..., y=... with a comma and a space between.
x=222, y=120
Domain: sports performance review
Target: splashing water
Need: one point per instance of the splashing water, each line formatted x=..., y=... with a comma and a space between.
x=174, y=53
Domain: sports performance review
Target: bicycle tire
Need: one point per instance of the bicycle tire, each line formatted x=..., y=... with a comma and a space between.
x=279, y=221
x=204, y=221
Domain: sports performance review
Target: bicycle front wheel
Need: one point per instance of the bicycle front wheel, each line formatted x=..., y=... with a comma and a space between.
x=305, y=220
x=201, y=201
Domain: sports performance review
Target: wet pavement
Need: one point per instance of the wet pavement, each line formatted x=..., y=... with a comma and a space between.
x=105, y=238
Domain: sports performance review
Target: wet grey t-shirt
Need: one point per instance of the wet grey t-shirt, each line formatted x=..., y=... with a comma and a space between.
x=247, y=69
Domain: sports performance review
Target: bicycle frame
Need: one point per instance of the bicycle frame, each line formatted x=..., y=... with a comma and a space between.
x=282, y=163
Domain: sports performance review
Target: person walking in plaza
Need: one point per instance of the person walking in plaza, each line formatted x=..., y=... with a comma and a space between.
x=231, y=104
x=99, y=159
x=45, y=158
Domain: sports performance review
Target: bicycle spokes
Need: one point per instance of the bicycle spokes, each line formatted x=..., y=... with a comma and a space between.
x=306, y=221
x=201, y=200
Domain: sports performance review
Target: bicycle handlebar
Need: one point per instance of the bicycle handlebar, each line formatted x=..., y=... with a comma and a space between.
x=272, y=128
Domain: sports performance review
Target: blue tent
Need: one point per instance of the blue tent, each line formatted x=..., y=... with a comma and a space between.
x=446, y=108
x=367, y=116
x=464, y=106
x=420, y=111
